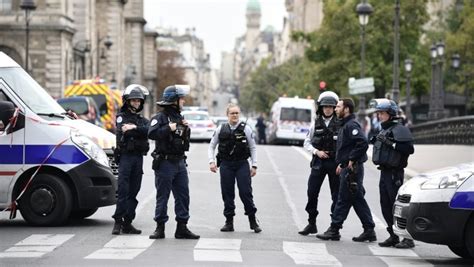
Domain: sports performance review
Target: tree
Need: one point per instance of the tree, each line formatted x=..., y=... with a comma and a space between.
x=336, y=46
x=169, y=71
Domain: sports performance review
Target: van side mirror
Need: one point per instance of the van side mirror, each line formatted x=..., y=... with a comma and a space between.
x=7, y=109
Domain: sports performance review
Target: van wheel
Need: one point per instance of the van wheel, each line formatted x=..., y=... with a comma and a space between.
x=82, y=213
x=460, y=251
x=47, y=202
x=469, y=236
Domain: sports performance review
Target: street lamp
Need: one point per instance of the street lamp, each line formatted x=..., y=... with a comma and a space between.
x=456, y=64
x=408, y=68
x=28, y=6
x=436, y=109
x=363, y=10
x=396, y=44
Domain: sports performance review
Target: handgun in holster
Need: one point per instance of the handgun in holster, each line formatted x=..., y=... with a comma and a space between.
x=218, y=161
x=351, y=177
x=156, y=160
x=116, y=154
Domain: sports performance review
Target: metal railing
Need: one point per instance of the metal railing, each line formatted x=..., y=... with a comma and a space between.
x=458, y=130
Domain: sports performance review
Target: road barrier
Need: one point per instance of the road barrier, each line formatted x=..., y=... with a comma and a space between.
x=458, y=130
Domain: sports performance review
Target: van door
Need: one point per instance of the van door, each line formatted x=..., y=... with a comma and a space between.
x=12, y=149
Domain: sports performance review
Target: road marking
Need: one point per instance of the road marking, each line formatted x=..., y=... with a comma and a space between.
x=122, y=248
x=294, y=214
x=310, y=253
x=214, y=249
x=397, y=257
x=35, y=246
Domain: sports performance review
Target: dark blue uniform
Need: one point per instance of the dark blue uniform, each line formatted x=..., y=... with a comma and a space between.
x=131, y=146
x=169, y=164
x=352, y=145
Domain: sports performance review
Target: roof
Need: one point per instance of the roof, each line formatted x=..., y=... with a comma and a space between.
x=253, y=6
x=6, y=61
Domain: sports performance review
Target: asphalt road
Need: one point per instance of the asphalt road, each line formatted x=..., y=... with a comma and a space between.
x=280, y=197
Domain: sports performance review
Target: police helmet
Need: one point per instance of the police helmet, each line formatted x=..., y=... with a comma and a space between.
x=172, y=93
x=135, y=91
x=327, y=98
x=383, y=104
x=7, y=109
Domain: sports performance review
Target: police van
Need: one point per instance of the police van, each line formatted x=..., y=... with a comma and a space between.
x=51, y=169
x=438, y=207
x=291, y=119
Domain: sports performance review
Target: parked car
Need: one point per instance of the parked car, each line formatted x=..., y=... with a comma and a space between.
x=438, y=207
x=218, y=120
x=84, y=106
x=202, y=127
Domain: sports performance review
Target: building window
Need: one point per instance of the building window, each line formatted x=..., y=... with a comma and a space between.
x=5, y=5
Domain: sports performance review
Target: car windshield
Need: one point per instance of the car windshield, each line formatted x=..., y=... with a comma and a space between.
x=295, y=114
x=196, y=117
x=101, y=102
x=29, y=91
x=80, y=107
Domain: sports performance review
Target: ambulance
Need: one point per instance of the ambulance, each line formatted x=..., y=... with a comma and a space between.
x=104, y=96
x=291, y=119
x=438, y=207
x=52, y=167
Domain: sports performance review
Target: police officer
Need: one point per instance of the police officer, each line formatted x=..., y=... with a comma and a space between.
x=321, y=142
x=351, y=151
x=171, y=134
x=236, y=145
x=392, y=147
x=132, y=145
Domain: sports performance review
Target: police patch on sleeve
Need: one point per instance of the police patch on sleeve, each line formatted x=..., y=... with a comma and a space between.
x=119, y=119
x=355, y=132
x=153, y=122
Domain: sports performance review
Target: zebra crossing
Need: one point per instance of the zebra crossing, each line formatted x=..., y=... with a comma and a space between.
x=129, y=247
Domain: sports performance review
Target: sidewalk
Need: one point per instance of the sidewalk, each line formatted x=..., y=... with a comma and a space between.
x=432, y=157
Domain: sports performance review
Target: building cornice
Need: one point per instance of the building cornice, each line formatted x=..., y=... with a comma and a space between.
x=135, y=20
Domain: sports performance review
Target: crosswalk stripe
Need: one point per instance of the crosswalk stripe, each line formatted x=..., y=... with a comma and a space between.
x=397, y=257
x=218, y=249
x=122, y=248
x=35, y=246
x=309, y=253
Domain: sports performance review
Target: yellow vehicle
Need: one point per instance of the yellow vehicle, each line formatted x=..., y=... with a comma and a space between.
x=103, y=96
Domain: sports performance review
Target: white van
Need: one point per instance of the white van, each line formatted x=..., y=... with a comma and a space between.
x=438, y=207
x=51, y=169
x=290, y=120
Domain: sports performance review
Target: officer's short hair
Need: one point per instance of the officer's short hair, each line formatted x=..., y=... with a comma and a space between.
x=348, y=103
x=229, y=106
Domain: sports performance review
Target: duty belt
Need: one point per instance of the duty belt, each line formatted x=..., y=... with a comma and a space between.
x=172, y=157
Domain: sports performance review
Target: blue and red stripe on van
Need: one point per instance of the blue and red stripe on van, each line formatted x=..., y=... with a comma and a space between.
x=36, y=154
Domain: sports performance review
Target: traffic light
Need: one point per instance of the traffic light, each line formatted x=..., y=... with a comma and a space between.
x=322, y=86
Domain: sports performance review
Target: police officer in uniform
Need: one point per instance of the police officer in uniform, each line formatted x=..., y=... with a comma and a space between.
x=321, y=142
x=236, y=145
x=171, y=134
x=132, y=145
x=351, y=151
x=392, y=147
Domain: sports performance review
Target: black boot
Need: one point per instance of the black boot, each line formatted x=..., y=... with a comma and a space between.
x=392, y=240
x=128, y=228
x=182, y=232
x=331, y=234
x=229, y=225
x=406, y=243
x=367, y=235
x=254, y=224
x=309, y=229
x=159, y=232
x=117, y=226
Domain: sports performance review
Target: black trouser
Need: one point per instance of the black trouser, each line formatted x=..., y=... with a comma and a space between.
x=388, y=187
x=319, y=170
x=129, y=183
x=231, y=171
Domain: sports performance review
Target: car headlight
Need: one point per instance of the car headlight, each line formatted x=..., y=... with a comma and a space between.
x=447, y=180
x=90, y=148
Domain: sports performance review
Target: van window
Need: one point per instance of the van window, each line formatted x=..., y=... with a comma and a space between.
x=29, y=91
x=294, y=114
x=101, y=102
x=79, y=107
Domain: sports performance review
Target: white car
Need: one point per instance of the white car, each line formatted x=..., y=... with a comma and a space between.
x=201, y=125
x=438, y=207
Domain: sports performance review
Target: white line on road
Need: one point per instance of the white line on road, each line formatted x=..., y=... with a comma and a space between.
x=294, y=214
x=35, y=246
x=216, y=249
x=122, y=248
x=310, y=254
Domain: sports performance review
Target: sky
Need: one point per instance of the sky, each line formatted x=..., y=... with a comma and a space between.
x=218, y=22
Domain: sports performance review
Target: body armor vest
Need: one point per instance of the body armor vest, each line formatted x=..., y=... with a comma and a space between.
x=325, y=138
x=384, y=154
x=233, y=144
x=178, y=141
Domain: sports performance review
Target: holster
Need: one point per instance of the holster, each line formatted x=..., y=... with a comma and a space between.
x=156, y=161
x=352, y=179
x=218, y=161
x=116, y=154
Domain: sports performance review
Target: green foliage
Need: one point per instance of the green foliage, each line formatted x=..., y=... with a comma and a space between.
x=297, y=77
